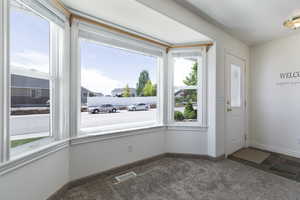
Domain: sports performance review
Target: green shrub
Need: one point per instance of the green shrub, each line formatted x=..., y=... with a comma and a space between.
x=178, y=116
x=189, y=111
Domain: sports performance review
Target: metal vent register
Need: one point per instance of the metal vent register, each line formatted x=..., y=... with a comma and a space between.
x=125, y=176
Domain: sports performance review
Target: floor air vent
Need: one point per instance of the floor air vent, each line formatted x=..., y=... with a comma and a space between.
x=125, y=177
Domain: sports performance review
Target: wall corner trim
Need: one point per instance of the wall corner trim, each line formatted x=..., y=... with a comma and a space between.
x=115, y=134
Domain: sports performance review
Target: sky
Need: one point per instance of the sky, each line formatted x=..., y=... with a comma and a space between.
x=182, y=69
x=29, y=41
x=103, y=68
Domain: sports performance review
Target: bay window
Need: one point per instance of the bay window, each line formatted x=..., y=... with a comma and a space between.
x=116, y=82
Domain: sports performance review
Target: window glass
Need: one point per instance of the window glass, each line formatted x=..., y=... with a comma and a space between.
x=185, y=105
x=30, y=76
x=185, y=89
x=185, y=72
x=235, y=86
x=125, y=81
x=29, y=39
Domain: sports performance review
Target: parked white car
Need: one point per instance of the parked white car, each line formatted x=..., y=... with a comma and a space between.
x=138, y=106
x=105, y=108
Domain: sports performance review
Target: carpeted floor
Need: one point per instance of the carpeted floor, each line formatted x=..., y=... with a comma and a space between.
x=190, y=179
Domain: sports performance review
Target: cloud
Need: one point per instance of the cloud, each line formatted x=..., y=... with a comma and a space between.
x=182, y=68
x=32, y=60
x=95, y=81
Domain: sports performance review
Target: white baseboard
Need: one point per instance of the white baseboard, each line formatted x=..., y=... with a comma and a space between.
x=275, y=149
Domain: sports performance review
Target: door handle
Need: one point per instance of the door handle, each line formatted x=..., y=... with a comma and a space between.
x=229, y=109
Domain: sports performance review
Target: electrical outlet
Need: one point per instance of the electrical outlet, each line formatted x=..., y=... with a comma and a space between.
x=130, y=148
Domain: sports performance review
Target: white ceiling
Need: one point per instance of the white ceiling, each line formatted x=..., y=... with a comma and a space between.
x=252, y=21
x=137, y=17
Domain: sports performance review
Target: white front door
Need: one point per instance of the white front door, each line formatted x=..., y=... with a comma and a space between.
x=235, y=104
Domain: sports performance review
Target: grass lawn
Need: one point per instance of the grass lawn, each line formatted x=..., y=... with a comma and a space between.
x=16, y=143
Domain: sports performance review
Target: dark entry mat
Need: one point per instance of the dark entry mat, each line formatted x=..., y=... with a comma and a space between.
x=287, y=168
x=279, y=164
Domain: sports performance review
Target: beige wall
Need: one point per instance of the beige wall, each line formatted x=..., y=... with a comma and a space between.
x=275, y=108
x=223, y=43
x=37, y=180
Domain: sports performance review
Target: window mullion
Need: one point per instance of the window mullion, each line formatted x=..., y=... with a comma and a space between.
x=75, y=72
x=200, y=87
x=188, y=87
x=54, y=82
x=4, y=83
x=171, y=99
x=204, y=88
x=160, y=90
x=64, y=84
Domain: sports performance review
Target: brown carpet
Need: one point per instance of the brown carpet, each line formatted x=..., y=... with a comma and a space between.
x=189, y=179
x=252, y=155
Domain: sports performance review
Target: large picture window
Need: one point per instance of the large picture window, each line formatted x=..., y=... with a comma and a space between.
x=34, y=49
x=187, y=87
x=119, y=87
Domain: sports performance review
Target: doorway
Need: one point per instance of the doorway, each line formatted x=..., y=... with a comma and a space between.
x=235, y=104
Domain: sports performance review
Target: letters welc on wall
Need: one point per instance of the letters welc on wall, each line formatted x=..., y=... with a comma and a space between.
x=289, y=78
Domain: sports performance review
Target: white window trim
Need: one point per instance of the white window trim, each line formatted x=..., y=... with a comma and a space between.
x=46, y=9
x=110, y=135
x=55, y=61
x=61, y=101
x=83, y=30
x=117, y=127
x=64, y=84
x=118, y=40
x=201, y=90
x=4, y=81
x=31, y=156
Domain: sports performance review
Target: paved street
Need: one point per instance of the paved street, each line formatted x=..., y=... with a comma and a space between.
x=39, y=124
x=94, y=120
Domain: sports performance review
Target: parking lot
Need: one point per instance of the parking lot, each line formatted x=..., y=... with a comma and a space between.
x=38, y=125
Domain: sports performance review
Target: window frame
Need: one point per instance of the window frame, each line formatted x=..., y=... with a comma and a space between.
x=102, y=36
x=58, y=52
x=4, y=81
x=201, y=88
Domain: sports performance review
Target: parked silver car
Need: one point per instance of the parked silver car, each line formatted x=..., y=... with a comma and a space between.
x=105, y=108
x=138, y=106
